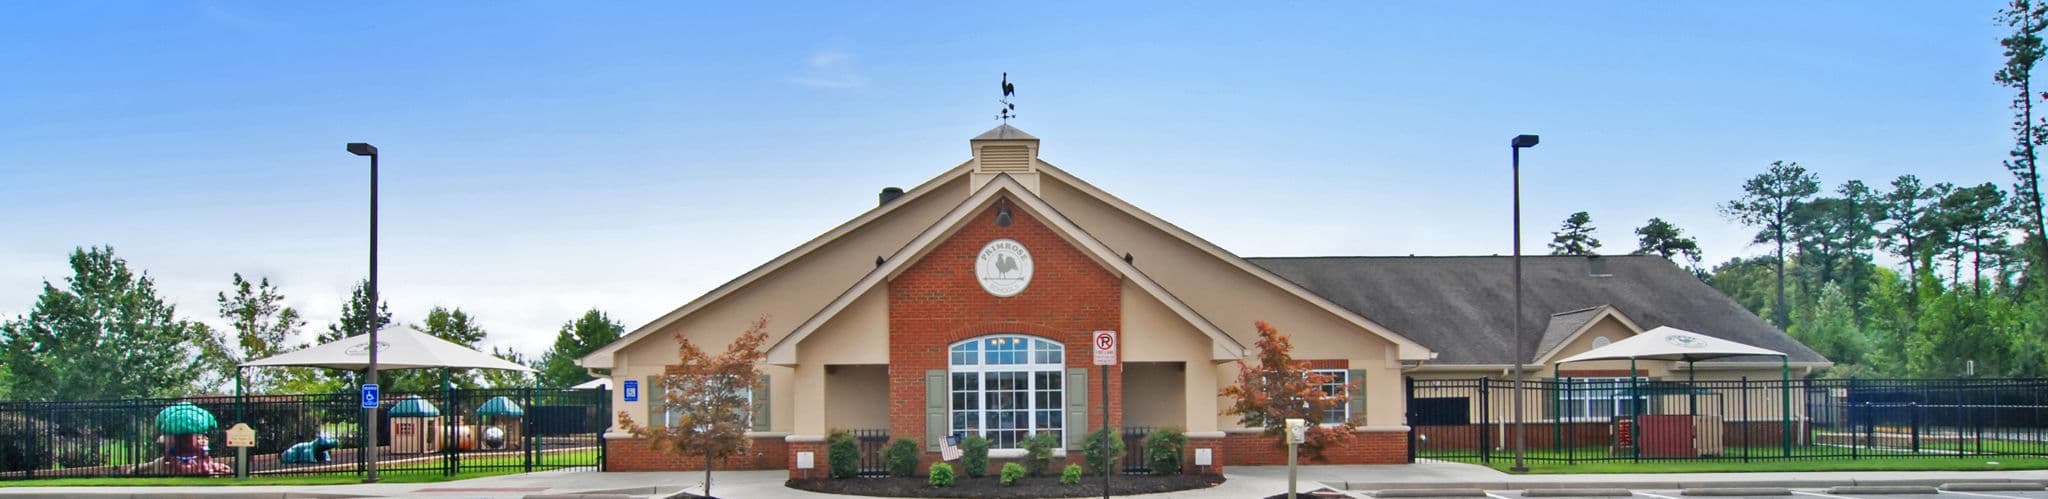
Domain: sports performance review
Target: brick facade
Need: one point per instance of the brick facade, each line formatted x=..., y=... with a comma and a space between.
x=1370, y=447
x=937, y=302
x=633, y=454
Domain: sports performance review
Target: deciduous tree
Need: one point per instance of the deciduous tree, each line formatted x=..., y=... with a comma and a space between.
x=706, y=399
x=1277, y=388
x=106, y=334
x=262, y=326
x=576, y=339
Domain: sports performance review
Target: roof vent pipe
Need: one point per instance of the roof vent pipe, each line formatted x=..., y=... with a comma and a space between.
x=1596, y=266
x=890, y=194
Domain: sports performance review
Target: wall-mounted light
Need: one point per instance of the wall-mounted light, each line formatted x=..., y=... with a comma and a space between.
x=1003, y=215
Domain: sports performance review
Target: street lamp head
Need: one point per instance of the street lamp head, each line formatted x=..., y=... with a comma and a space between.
x=362, y=149
x=1522, y=141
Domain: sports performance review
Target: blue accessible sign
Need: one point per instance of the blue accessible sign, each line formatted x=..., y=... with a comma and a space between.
x=369, y=396
x=631, y=390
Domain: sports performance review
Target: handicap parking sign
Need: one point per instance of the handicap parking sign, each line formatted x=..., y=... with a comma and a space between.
x=632, y=390
x=369, y=396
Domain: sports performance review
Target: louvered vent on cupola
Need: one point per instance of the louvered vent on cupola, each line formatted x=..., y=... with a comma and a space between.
x=1005, y=150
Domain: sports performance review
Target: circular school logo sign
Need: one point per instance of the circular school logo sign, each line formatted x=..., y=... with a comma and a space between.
x=1003, y=267
x=1685, y=341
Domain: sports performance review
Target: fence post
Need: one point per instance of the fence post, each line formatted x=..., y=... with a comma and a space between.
x=1408, y=397
x=1914, y=407
x=1745, y=418
x=1485, y=420
x=1958, y=404
x=526, y=445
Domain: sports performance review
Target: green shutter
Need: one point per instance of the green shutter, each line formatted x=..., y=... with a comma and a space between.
x=653, y=394
x=935, y=421
x=1077, y=406
x=762, y=397
x=1357, y=401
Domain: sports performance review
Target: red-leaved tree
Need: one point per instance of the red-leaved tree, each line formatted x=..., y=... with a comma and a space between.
x=706, y=398
x=1266, y=394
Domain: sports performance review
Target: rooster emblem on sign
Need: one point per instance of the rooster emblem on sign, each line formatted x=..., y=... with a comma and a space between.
x=1005, y=264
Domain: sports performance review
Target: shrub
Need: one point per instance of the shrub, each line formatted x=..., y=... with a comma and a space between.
x=1011, y=472
x=1038, y=452
x=80, y=458
x=901, y=457
x=1101, y=448
x=1071, y=475
x=842, y=454
x=942, y=475
x=20, y=436
x=1163, y=450
x=974, y=456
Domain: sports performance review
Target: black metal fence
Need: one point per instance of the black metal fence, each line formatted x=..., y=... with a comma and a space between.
x=871, y=443
x=1134, y=450
x=446, y=432
x=1622, y=418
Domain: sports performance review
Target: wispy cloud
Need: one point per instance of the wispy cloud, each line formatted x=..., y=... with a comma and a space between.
x=831, y=69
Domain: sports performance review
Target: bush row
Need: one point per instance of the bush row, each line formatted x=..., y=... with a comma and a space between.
x=1162, y=451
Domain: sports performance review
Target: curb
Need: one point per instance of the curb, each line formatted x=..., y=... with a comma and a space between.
x=1737, y=491
x=1680, y=485
x=1883, y=489
x=1992, y=486
x=1561, y=492
x=1431, y=492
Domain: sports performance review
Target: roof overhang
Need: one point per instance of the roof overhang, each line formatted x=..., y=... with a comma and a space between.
x=601, y=358
x=1606, y=311
x=1222, y=345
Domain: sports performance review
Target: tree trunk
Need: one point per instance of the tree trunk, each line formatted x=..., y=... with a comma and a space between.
x=2033, y=179
x=1784, y=313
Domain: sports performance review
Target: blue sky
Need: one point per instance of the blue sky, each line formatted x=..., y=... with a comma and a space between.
x=542, y=158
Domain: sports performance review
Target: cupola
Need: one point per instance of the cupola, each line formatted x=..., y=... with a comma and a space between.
x=1005, y=150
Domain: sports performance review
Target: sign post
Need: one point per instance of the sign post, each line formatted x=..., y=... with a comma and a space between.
x=241, y=437
x=1105, y=356
x=1297, y=432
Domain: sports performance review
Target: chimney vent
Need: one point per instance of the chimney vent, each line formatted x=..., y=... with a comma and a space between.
x=890, y=194
x=1596, y=266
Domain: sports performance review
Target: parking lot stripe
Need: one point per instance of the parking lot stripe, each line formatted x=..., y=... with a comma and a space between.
x=1496, y=496
x=1654, y=496
x=1981, y=494
x=1817, y=494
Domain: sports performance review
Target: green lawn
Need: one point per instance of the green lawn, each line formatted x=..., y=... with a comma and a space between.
x=508, y=465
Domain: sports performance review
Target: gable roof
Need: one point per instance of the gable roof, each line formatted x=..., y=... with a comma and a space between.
x=1567, y=326
x=1003, y=185
x=1461, y=306
x=602, y=357
x=1406, y=348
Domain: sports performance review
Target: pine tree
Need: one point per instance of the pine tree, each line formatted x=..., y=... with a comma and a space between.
x=1575, y=237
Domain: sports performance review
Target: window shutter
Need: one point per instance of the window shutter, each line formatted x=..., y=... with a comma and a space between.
x=762, y=397
x=935, y=421
x=1077, y=407
x=654, y=395
x=1357, y=402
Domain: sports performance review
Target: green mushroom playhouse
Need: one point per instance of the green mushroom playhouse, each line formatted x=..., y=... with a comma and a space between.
x=501, y=428
x=415, y=426
x=183, y=429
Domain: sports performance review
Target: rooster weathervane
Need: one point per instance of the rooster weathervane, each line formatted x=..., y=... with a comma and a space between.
x=1009, y=110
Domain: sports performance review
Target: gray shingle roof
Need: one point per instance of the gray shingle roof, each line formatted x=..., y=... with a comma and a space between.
x=1460, y=307
x=1561, y=326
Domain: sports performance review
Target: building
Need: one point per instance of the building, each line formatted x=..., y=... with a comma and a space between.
x=966, y=304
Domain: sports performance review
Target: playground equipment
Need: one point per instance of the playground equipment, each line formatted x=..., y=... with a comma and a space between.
x=313, y=451
x=183, y=427
x=415, y=426
x=496, y=412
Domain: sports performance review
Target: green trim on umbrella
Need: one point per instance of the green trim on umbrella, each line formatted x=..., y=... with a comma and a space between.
x=500, y=407
x=185, y=419
x=414, y=407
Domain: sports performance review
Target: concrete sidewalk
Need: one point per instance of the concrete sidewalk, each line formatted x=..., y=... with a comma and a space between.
x=1440, y=474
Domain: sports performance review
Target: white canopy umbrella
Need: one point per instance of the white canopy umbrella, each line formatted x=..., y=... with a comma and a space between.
x=1670, y=343
x=399, y=348
x=595, y=384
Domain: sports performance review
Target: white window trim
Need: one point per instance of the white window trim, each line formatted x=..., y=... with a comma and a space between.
x=1577, y=394
x=1343, y=378
x=1030, y=366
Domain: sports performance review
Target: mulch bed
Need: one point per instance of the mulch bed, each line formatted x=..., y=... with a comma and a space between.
x=989, y=486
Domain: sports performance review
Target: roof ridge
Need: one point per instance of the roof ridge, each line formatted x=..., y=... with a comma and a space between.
x=1418, y=257
x=1595, y=307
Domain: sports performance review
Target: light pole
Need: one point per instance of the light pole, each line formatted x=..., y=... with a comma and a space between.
x=369, y=426
x=1521, y=436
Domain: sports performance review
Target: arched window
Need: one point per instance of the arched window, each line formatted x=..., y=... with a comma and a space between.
x=1007, y=388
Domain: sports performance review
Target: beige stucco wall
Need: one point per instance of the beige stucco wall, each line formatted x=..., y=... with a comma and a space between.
x=857, y=397
x=787, y=297
x=1153, y=394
